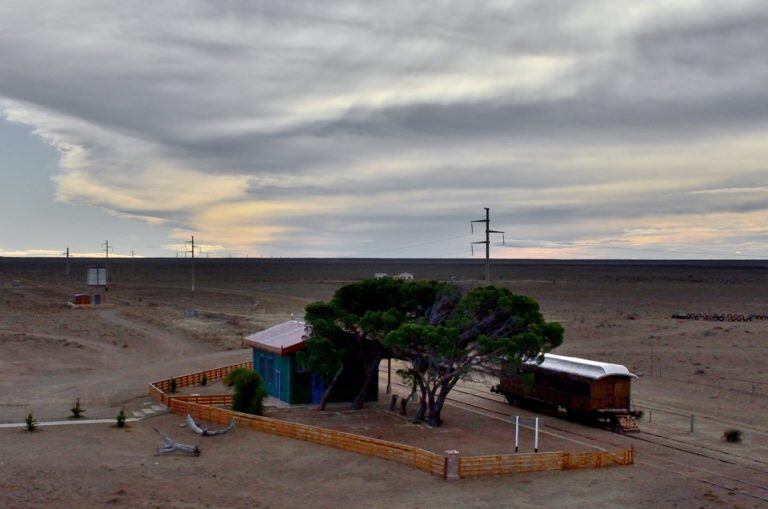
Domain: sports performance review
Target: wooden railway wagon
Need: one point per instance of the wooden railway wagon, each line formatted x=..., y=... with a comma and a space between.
x=585, y=389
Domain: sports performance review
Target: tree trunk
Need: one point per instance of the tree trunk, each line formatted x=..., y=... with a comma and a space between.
x=419, y=417
x=327, y=392
x=371, y=376
x=433, y=417
x=436, y=403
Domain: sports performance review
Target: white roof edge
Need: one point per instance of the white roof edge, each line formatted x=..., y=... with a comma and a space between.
x=583, y=367
x=275, y=334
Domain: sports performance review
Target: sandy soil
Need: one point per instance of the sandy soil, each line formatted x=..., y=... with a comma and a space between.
x=50, y=355
x=464, y=431
x=99, y=466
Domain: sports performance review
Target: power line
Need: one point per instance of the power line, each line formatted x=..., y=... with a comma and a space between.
x=487, y=241
x=407, y=246
x=556, y=244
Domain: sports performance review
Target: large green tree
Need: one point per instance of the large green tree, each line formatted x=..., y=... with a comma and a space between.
x=347, y=333
x=443, y=334
x=484, y=329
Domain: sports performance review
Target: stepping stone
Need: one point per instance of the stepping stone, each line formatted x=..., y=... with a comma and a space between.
x=138, y=415
x=147, y=411
x=159, y=408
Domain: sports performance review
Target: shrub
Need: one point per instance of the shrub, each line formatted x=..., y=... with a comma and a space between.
x=121, y=418
x=77, y=410
x=249, y=391
x=173, y=385
x=204, y=380
x=30, y=422
x=732, y=435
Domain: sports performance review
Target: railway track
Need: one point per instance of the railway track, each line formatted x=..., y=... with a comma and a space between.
x=655, y=451
x=644, y=404
x=677, y=444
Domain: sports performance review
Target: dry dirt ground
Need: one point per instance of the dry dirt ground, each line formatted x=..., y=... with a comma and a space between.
x=619, y=312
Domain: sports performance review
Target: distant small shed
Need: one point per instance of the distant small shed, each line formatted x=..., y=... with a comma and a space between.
x=404, y=276
x=81, y=299
x=274, y=358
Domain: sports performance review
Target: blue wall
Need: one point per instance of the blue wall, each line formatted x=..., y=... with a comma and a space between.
x=276, y=371
x=285, y=380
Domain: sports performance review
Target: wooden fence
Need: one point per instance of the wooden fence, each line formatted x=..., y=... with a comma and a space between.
x=392, y=451
x=202, y=407
x=478, y=466
x=161, y=390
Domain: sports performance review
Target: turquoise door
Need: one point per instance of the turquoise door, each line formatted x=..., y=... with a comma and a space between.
x=277, y=384
x=318, y=388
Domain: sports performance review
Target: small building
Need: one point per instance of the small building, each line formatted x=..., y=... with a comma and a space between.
x=81, y=299
x=380, y=275
x=274, y=358
x=404, y=276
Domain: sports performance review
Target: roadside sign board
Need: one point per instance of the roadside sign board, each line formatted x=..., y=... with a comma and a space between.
x=97, y=276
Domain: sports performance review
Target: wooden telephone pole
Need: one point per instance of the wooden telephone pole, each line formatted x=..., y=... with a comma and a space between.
x=487, y=241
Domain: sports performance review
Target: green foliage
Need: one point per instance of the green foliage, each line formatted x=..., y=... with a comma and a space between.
x=77, y=410
x=249, y=392
x=30, y=422
x=172, y=389
x=349, y=330
x=488, y=329
x=322, y=357
x=443, y=334
x=732, y=436
x=490, y=325
x=120, y=419
x=204, y=380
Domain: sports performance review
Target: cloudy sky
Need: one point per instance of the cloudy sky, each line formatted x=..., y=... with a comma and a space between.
x=618, y=129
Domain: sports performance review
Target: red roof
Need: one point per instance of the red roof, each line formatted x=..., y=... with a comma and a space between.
x=284, y=338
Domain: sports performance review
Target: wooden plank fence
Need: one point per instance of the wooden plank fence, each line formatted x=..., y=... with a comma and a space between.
x=392, y=451
x=478, y=466
x=202, y=407
x=160, y=390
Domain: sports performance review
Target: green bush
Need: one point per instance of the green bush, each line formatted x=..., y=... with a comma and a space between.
x=204, y=380
x=30, y=422
x=121, y=418
x=77, y=410
x=732, y=435
x=173, y=386
x=249, y=393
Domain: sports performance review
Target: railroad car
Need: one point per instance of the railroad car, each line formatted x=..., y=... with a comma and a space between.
x=585, y=389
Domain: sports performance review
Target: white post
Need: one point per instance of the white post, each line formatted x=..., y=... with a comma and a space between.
x=452, y=465
x=517, y=432
x=536, y=436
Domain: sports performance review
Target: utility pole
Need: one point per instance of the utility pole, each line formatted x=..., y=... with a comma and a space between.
x=66, y=267
x=106, y=247
x=487, y=241
x=191, y=244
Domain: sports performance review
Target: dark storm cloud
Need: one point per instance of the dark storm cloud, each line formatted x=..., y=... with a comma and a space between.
x=553, y=113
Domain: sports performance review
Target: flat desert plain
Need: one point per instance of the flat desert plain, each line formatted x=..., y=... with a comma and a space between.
x=616, y=311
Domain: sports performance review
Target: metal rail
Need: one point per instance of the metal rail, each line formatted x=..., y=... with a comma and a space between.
x=697, y=475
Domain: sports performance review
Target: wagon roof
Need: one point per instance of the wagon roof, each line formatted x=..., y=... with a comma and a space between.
x=284, y=338
x=583, y=367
